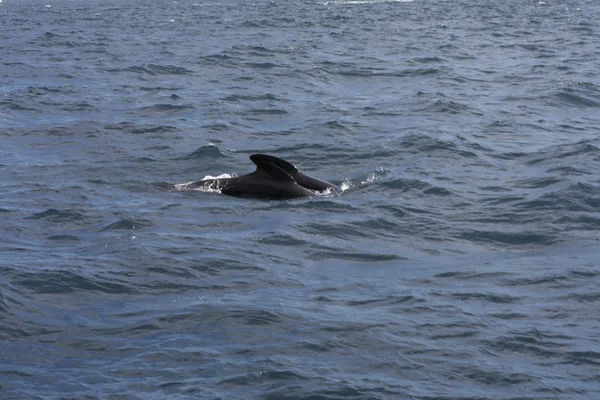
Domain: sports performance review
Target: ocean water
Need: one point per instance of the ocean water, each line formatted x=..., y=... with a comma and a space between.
x=460, y=262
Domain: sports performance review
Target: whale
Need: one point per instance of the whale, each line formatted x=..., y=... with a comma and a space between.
x=274, y=178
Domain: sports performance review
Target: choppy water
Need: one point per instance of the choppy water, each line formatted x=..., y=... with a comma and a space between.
x=461, y=263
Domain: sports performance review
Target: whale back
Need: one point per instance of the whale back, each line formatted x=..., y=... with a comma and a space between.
x=301, y=179
x=267, y=182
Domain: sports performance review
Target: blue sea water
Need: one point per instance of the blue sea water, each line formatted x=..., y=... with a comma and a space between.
x=461, y=261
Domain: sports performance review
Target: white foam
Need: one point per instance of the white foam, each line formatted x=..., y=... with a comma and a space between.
x=370, y=179
x=180, y=187
x=346, y=185
x=222, y=176
x=207, y=189
x=327, y=192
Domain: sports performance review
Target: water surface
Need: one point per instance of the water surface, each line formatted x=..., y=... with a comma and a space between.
x=460, y=263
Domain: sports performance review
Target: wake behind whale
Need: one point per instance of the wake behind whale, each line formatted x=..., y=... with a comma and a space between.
x=274, y=178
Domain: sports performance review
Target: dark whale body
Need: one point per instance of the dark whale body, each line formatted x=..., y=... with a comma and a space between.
x=274, y=178
x=301, y=179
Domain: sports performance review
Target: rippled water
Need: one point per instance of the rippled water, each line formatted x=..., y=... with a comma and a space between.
x=460, y=263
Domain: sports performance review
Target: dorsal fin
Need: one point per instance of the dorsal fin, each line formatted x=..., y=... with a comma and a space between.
x=260, y=159
x=275, y=172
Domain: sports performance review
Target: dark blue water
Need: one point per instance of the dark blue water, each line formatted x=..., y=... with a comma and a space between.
x=461, y=261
